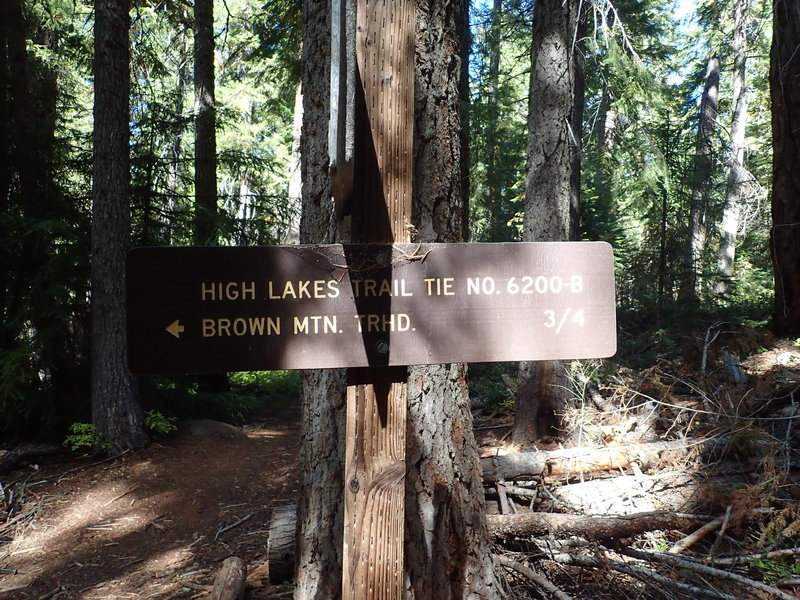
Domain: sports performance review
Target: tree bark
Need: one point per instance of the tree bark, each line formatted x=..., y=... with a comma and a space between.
x=443, y=494
x=598, y=528
x=447, y=545
x=320, y=509
x=737, y=173
x=230, y=580
x=205, y=139
x=115, y=405
x=691, y=287
x=785, y=236
x=552, y=188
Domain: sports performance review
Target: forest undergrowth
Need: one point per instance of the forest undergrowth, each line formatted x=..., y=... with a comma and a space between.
x=676, y=476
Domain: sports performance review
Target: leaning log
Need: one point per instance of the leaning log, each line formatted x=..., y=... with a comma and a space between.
x=598, y=528
x=534, y=464
x=230, y=580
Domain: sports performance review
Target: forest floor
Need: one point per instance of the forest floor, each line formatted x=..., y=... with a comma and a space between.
x=150, y=524
x=157, y=524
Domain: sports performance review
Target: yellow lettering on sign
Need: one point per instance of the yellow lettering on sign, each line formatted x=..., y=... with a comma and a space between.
x=380, y=323
x=315, y=324
x=240, y=327
x=440, y=286
x=363, y=288
x=314, y=288
x=230, y=290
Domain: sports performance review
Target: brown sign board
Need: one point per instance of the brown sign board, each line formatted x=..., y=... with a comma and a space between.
x=213, y=309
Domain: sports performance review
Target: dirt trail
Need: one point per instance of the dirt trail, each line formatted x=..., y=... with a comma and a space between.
x=144, y=525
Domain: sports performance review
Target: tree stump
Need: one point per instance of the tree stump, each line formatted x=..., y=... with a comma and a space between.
x=281, y=544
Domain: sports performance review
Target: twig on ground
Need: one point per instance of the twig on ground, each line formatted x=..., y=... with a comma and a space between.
x=63, y=475
x=725, y=522
x=694, y=537
x=222, y=529
x=745, y=558
x=683, y=563
x=644, y=575
x=545, y=585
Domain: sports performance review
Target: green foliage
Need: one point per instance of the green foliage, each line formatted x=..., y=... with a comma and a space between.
x=775, y=569
x=644, y=76
x=158, y=423
x=498, y=120
x=83, y=436
x=490, y=385
x=252, y=395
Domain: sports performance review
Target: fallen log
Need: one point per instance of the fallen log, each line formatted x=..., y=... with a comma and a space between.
x=230, y=579
x=9, y=459
x=598, y=528
x=628, y=494
x=533, y=464
x=280, y=545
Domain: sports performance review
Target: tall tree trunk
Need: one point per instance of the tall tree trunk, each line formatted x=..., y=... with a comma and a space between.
x=294, y=207
x=691, y=287
x=205, y=139
x=785, y=238
x=607, y=124
x=115, y=407
x=492, y=187
x=320, y=509
x=205, y=151
x=551, y=188
x=447, y=546
x=737, y=173
x=6, y=124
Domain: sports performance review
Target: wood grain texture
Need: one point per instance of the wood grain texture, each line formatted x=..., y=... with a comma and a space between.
x=374, y=486
x=374, y=511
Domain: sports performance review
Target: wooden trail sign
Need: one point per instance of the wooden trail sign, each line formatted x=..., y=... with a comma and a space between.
x=205, y=310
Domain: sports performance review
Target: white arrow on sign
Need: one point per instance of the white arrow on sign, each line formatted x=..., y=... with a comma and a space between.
x=175, y=328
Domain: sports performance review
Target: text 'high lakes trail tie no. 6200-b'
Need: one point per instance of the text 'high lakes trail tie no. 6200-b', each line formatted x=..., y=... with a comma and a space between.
x=212, y=309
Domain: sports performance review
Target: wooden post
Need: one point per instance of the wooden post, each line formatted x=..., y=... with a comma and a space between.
x=379, y=211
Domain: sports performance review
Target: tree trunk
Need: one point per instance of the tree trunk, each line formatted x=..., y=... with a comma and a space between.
x=294, y=208
x=320, y=510
x=736, y=171
x=115, y=406
x=703, y=164
x=205, y=139
x=447, y=546
x=205, y=151
x=596, y=528
x=552, y=187
x=785, y=238
x=497, y=216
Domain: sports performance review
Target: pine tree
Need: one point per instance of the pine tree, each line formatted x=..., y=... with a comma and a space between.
x=115, y=405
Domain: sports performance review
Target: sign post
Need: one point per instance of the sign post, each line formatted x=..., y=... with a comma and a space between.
x=378, y=210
